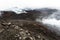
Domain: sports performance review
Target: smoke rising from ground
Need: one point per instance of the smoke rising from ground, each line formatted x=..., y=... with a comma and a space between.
x=52, y=21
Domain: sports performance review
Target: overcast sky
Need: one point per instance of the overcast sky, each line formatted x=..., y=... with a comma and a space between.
x=5, y=4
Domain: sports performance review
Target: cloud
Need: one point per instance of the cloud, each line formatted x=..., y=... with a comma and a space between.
x=4, y=4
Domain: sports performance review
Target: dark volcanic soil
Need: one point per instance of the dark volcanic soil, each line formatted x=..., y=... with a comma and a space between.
x=26, y=21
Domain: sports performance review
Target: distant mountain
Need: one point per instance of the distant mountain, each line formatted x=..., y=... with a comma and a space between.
x=27, y=14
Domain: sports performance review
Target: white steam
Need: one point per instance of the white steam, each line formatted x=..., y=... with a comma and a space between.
x=52, y=21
